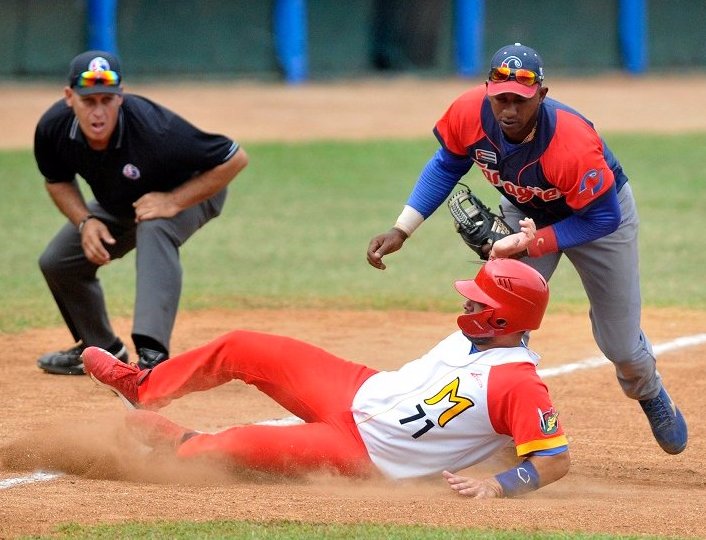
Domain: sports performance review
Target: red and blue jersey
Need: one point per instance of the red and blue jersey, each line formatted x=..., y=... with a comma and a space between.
x=565, y=168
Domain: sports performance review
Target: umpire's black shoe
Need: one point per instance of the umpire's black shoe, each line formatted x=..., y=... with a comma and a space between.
x=149, y=358
x=69, y=362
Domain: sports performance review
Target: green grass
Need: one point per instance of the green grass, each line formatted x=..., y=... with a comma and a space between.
x=298, y=220
x=286, y=530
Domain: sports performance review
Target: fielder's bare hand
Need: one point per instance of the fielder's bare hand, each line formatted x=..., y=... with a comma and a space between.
x=470, y=487
x=385, y=243
x=94, y=236
x=155, y=205
x=515, y=243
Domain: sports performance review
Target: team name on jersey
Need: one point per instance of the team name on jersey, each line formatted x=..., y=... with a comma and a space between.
x=523, y=194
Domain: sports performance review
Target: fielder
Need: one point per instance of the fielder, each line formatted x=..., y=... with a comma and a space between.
x=464, y=400
x=549, y=164
x=156, y=179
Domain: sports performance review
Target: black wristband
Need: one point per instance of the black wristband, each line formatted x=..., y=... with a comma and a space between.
x=83, y=222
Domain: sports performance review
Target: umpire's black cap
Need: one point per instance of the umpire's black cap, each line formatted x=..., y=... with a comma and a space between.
x=95, y=72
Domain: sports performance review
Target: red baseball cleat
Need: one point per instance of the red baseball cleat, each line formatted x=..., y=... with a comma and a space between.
x=106, y=370
x=155, y=430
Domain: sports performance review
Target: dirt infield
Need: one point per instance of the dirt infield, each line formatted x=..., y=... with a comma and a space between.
x=620, y=481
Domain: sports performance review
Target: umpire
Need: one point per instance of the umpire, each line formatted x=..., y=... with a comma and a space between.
x=156, y=180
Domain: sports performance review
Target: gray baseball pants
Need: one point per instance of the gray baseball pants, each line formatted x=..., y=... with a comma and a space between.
x=73, y=281
x=609, y=270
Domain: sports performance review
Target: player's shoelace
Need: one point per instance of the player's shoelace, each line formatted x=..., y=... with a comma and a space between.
x=659, y=413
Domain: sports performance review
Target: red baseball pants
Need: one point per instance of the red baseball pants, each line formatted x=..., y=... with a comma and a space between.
x=311, y=383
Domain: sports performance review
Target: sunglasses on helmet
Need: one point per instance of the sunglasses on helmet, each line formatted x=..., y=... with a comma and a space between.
x=525, y=77
x=88, y=79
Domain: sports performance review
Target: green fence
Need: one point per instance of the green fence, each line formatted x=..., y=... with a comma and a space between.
x=234, y=38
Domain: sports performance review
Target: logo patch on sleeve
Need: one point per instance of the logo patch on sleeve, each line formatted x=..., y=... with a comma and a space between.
x=591, y=182
x=548, y=421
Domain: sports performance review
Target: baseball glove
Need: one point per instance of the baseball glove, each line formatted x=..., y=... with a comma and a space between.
x=477, y=225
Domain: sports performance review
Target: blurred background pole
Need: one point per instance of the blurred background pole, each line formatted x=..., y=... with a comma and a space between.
x=632, y=30
x=290, y=29
x=102, y=24
x=470, y=20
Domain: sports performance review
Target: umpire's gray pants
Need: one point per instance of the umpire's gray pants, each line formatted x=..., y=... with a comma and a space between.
x=609, y=270
x=77, y=291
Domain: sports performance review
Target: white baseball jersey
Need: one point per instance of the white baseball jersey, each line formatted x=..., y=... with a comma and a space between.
x=452, y=408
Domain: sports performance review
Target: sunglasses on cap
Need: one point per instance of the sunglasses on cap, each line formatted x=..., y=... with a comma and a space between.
x=88, y=79
x=525, y=77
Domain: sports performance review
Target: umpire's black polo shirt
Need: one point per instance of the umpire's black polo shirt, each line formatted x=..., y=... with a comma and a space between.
x=151, y=149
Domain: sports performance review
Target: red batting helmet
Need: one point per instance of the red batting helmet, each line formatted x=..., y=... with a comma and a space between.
x=515, y=296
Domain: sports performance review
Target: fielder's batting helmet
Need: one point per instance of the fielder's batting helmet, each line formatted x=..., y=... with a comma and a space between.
x=516, y=296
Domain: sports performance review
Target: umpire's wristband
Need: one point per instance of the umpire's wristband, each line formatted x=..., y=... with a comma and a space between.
x=82, y=223
x=519, y=480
